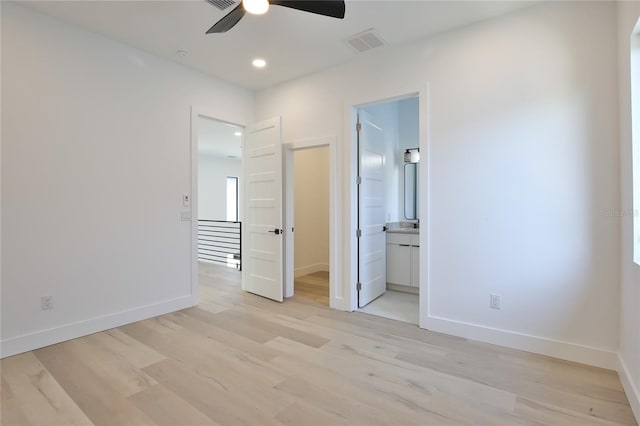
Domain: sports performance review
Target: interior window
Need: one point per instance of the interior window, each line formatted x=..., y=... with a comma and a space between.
x=232, y=198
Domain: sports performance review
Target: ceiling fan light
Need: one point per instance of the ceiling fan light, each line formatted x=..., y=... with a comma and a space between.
x=256, y=7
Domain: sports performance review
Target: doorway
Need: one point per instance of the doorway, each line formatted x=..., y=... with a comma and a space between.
x=388, y=225
x=217, y=201
x=310, y=201
x=309, y=218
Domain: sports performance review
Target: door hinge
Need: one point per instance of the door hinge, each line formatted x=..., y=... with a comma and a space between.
x=358, y=286
x=359, y=180
x=358, y=127
x=358, y=233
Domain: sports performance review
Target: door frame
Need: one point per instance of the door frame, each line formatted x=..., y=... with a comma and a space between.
x=350, y=119
x=196, y=113
x=336, y=295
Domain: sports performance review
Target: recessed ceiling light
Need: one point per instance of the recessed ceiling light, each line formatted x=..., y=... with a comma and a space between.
x=238, y=134
x=259, y=63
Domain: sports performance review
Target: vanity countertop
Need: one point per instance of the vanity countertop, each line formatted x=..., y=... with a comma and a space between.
x=402, y=228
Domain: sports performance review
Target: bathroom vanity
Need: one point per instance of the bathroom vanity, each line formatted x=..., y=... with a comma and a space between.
x=403, y=267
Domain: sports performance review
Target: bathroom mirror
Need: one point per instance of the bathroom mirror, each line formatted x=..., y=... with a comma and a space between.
x=411, y=191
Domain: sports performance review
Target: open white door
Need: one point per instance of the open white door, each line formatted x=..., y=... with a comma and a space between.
x=262, y=244
x=372, y=271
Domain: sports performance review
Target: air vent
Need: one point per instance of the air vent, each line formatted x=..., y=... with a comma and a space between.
x=365, y=40
x=221, y=4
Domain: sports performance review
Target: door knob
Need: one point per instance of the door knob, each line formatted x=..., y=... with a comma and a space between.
x=276, y=231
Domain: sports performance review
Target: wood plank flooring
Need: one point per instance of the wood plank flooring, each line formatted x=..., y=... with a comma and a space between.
x=313, y=286
x=239, y=359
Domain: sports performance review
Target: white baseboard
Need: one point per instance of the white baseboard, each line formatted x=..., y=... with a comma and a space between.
x=39, y=339
x=310, y=269
x=525, y=342
x=630, y=389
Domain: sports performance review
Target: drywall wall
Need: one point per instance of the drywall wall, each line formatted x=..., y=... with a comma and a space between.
x=629, y=369
x=95, y=159
x=212, y=185
x=311, y=210
x=408, y=123
x=408, y=138
x=521, y=146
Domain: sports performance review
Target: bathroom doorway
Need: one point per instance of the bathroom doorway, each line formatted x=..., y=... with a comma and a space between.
x=388, y=240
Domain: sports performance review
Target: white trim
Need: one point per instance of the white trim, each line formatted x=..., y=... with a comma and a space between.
x=630, y=389
x=288, y=183
x=336, y=287
x=39, y=339
x=634, y=60
x=526, y=342
x=193, y=166
x=310, y=269
x=424, y=256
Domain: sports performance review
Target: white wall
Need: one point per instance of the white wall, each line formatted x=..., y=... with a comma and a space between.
x=212, y=185
x=522, y=160
x=95, y=159
x=628, y=15
x=311, y=210
x=408, y=137
x=409, y=126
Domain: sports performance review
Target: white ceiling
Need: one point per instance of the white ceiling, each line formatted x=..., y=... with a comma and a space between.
x=294, y=43
x=218, y=139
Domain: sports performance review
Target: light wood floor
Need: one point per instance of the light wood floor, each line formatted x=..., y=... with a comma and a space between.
x=314, y=287
x=239, y=359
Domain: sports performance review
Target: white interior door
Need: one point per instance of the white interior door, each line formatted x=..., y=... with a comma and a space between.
x=371, y=210
x=262, y=263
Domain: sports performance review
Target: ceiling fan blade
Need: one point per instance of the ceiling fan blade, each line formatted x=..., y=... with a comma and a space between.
x=331, y=8
x=226, y=23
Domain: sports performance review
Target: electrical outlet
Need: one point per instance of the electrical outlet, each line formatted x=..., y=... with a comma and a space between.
x=495, y=301
x=46, y=302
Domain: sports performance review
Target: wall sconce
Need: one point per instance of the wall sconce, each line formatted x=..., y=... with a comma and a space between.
x=412, y=155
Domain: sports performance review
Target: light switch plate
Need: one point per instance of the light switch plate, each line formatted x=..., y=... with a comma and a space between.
x=495, y=301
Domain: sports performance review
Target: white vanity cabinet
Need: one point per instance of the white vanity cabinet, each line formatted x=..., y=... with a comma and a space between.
x=402, y=259
x=415, y=260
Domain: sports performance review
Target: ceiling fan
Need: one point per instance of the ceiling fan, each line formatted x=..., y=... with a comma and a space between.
x=330, y=8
